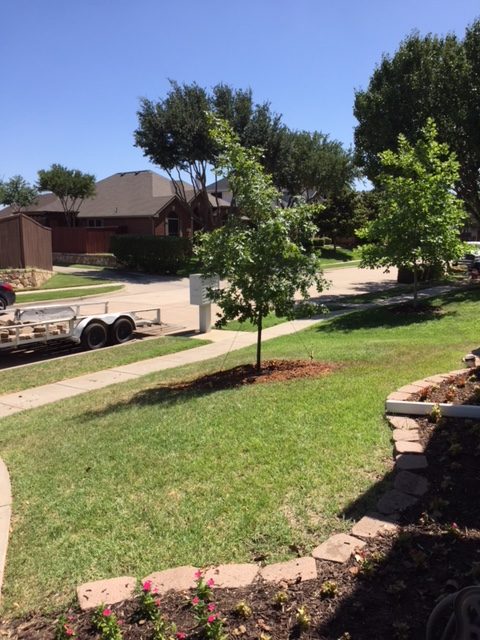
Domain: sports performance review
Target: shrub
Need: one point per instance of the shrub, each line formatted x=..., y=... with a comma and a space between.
x=153, y=254
x=425, y=273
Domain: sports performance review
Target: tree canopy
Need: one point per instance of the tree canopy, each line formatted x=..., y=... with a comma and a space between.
x=420, y=215
x=71, y=187
x=315, y=166
x=264, y=253
x=174, y=134
x=17, y=193
x=428, y=76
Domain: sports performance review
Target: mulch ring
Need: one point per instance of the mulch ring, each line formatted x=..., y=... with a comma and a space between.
x=386, y=591
x=459, y=389
x=271, y=371
x=423, y=309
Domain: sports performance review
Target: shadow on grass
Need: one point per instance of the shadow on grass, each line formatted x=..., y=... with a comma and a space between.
x=394, y=585
x=160, y=395
x=387, y=316
x=223, y=379
x=340, y=255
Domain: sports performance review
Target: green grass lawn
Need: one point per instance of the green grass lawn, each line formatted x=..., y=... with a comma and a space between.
x=329, y=257
x=138, y=477
x=66, y=280
x=76, y=365
x=269, y=321
x=43, y=296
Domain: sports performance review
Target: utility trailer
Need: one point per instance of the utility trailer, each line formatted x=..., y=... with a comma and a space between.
x=49, y=324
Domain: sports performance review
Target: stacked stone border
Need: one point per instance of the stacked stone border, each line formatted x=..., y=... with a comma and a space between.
x=398, y=401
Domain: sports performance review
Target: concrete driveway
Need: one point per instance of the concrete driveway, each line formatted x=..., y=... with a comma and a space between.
x=172, y=294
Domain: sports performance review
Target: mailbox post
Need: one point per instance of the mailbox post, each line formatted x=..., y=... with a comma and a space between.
x=199, y=297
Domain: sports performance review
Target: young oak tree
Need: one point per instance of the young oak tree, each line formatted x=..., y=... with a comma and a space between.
x=17, y=193
x=419, y=216
x=264, y=251
x=71, y=187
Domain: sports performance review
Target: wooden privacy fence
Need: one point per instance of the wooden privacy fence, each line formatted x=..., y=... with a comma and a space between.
x=24, y=243
x=82, y=239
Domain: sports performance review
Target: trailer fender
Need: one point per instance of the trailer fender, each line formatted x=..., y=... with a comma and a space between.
x=107, y=318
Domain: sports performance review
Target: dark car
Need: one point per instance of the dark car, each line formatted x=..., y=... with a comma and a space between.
x=7, y=295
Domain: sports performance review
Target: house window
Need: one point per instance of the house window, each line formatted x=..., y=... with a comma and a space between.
x=173, y=226
x=95, y=222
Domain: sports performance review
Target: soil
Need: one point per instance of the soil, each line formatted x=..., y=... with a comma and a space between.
x=459, y=389
x=271, y=371
x=385, y=592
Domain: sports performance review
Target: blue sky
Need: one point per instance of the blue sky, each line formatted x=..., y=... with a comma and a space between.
x=73, y=71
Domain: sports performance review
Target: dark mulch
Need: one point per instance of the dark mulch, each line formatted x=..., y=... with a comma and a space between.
x=423, y=309
x=459, y=389
x=385, y=592
x=271, y=371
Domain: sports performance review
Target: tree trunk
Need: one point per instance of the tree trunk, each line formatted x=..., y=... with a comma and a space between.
x=415, y=284
x=259, y=342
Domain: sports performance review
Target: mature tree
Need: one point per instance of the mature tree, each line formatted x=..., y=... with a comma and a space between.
x=71, y=187
x=420, y=216
x=315, y=167
x=263, y=253
x=174, y=134
x=339, y=218
x=17, y=193
x=427, y=77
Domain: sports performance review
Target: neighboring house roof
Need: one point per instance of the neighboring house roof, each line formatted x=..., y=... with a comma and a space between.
x=221, y=186
x=42, y=202
x=129, y=193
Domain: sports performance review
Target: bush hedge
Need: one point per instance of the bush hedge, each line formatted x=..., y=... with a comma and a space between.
x=153, y=254
x=426, y=272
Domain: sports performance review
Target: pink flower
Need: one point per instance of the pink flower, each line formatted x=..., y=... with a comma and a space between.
x=195, y=600
x=120, y=622
x=69, y=632
x=70, y=618
x=211, y=582
x=211, y=606
x=147, y=586
x=158, y=602
x=198, y=575
x=211, y=618
x=107, y=613
x=181, y=636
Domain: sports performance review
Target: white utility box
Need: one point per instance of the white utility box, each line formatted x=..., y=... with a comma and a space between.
x=199, y=296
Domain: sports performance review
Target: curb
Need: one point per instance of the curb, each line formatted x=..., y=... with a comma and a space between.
x=5, y=514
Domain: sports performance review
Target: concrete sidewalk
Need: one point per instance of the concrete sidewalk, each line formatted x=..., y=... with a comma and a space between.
x=222, y=343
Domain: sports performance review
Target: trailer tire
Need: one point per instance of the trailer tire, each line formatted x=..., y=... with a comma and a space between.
x=121, y=331
x=95, y=335
x=3, y=303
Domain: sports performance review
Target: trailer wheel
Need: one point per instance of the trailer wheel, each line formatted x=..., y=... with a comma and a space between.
x=3, y=303
x=121, y=331
x=94, y=336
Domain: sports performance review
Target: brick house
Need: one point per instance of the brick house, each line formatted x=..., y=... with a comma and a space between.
x=133, y=202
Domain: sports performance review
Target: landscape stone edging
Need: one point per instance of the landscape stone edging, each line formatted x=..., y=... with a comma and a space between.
x=398, y=402
x=408, y=487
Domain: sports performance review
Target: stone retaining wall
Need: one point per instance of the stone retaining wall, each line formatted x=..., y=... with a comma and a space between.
x=95, y=259
x=25, y=278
